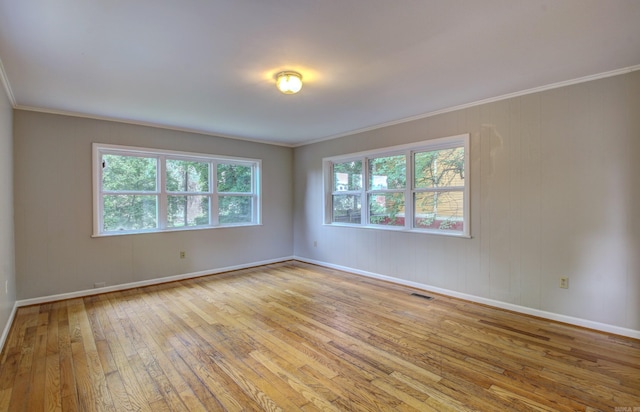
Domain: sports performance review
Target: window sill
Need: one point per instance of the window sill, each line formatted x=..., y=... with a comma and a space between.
x=402, y=230
x=172, y=230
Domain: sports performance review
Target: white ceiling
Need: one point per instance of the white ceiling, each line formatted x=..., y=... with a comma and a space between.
x=209, y=65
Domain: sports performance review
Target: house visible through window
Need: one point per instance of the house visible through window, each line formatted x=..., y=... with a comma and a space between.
x=145, y=190
x=420, y=187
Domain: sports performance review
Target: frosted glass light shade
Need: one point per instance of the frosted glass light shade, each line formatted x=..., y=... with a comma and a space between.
x=289, y=82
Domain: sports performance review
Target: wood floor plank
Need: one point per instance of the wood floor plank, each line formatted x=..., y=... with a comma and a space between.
x=115, y=337
x=68, y=391
x=294, y=336
x=119, y=395
x=52, y=399
x=23, y=372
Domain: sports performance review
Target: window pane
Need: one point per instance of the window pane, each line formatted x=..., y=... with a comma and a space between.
x=234, y=178
x=235, y=209
x=347, y=176
x=186, y=176
x=347, y=208
x=129, y=212
x=387, y=172
x=439, y=210
x=439, y=168
x=187, y=211
x=129, y=173
x=386, y=209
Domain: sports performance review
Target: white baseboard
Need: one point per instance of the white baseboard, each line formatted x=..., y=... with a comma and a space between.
x=603, y=327
x=132, y=285
x=7, y=327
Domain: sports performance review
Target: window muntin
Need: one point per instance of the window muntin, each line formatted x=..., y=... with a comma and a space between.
x=145, y=190
x=418, y=187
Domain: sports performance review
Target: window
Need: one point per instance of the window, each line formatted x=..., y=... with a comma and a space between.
x=140, y=190
x=421, y=187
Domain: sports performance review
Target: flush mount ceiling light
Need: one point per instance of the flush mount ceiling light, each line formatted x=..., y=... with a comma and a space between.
x=289, y=82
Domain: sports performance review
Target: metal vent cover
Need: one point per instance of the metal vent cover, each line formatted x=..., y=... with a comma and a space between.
x=422, y=296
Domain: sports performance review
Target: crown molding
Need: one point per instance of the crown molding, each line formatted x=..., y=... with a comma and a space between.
x=145, y=124
x=480, y=102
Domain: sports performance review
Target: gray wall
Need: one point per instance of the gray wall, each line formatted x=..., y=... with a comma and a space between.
x=554, y=192
x=7, y=266
x=55, y=252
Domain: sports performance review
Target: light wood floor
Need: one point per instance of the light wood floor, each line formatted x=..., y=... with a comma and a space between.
x=293, y=336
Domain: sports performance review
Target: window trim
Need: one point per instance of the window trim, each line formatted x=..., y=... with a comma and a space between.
x=98, y=149
x=409, y=150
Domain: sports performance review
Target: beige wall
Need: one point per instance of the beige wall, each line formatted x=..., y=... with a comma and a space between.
x=554, y=192
x=7, y=266
x=55, y=252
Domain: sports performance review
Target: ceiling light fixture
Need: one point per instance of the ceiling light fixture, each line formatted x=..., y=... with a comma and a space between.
x=289, y=82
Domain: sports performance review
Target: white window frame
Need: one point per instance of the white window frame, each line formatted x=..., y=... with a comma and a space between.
x=99, y=149
x=409, y=191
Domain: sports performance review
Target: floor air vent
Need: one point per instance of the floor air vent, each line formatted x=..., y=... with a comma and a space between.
x=422, y=296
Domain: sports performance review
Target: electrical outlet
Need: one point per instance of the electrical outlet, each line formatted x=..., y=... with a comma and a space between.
x=564, y=283
x=183, y=254
x=99, y=284
x=315, y=243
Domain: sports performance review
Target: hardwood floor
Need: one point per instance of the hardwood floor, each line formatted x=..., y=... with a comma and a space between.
x=293, y=336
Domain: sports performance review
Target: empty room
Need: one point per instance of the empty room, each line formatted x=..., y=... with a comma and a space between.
x=293, y=205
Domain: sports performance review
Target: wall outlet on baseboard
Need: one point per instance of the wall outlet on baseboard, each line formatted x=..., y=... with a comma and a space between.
x=183, y=254
x=564, y=283
x=99, y=285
